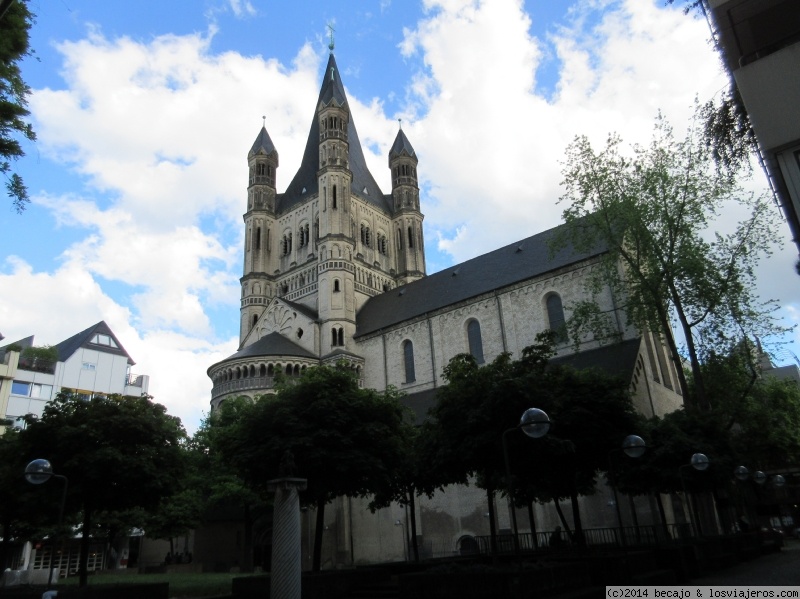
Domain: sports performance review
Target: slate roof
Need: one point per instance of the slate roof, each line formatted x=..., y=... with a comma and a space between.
x=69, y=346
x=615, y=360
x=273, y=344
x=262, y=142
x=500, y=268
x=401, y=146
x=306, y=176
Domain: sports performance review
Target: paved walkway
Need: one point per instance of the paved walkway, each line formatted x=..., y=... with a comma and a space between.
x=781, y=568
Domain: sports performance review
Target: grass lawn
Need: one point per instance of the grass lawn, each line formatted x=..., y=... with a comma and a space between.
x=182, y=586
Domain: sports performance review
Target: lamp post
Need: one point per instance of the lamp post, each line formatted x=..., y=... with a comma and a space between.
x=39, y=472
x=535, y=423
x=405, y=538
x=633, y=446
x=700, y=462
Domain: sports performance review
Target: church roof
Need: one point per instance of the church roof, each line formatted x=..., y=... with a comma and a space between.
x=506, y=266
x=401, y=146
x=273, y=344
x=304, y=184
x=263, y=142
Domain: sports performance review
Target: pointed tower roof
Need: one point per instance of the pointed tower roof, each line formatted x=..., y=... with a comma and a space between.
x=263, y=142
x=401, y=146
x=305, y=181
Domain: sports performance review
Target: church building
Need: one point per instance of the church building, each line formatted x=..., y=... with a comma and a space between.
x=334, y=270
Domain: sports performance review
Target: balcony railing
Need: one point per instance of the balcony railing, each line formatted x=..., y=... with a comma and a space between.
x=246, y=384
x=134, y=380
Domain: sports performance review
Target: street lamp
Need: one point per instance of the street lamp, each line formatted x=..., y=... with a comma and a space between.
x=39, y=472
x=535, y=423
x=633, y=446
x=700, y=462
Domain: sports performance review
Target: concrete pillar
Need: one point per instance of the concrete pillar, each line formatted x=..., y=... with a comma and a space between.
x=286, y=554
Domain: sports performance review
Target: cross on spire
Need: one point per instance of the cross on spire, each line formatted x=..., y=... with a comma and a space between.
x=330, y=31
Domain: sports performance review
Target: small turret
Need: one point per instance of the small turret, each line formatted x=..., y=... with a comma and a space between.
x=407, y=216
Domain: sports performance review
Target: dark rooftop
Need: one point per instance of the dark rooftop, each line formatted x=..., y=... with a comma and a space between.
x=305, y=183
x=500, y=268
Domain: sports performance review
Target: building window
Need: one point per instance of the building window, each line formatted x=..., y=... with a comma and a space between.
x=333, y=198
x=100, y=339
x=89, y=366
x=475, y=341
x=555, y=317
x=341, y=337
x=336, y=285
x=258, y=239
x=408, y=357
x=20, y=388
x=410, y=238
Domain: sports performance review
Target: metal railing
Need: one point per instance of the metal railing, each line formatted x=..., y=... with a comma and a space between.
x=630, y=536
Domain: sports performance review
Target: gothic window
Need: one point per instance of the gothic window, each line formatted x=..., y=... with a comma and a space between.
x=410, y=238
x=261, y=169
x=408, y=357
x=254, y=321
x=341, y=336
x=336, y=285
x=316, y=229
x=399, y=239
x=257, y=241
x=308, y=236
x=555, y=317
x=333, y=198
x=334, y=337
x=475, y=341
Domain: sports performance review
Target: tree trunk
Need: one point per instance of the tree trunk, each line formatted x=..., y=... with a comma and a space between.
x=576, y=518
x=561, y=517
x=662, y=513
x=83, y=572
x=492, y=526
x=413, y=510
x=532, y=521
x=320, y=527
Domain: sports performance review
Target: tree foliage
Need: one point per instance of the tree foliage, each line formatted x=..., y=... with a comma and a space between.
x=15, y=25
x=118, y=453
x=591, y=414
x=345, y=440
x=653, y=210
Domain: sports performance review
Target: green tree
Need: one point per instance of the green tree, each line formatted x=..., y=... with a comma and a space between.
x=591, y=414
x=652, y=210
x=15, y=25
x=118, y=453
x=346, y=441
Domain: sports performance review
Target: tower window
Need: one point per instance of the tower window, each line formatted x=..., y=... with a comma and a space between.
x=333, y=199
x=475, y=341
x=408, y=358
x=255, y=320
x=341, y=336
x=410, y=238
x=258, y=239
x=336, y=285
x=555, y=317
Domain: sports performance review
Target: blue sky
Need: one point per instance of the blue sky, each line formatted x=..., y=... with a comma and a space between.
x=145, y=112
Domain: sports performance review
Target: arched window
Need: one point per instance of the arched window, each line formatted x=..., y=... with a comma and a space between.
x=334, y=337
x=255, y=320
x=410, y=238
x=555, y=317
x=336, y=285
x=475, y=341
x=258, y=239
x=408, y=357
x=341, y=336
x=333, y=198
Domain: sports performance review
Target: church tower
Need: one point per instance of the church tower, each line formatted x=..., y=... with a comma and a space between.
x=259, y=220
x=336, y=274
x=409, y=247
